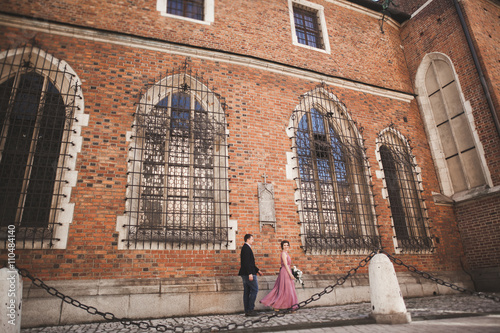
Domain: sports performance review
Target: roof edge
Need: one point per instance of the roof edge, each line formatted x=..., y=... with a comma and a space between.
x=377, y=6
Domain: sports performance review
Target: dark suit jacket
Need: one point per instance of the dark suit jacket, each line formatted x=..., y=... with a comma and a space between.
x=247, y=261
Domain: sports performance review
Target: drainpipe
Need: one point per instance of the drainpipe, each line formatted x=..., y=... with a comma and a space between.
x=478, y=66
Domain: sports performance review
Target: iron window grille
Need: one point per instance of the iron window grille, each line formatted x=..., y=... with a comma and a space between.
x=37, y=110
x=178, y=182
x=188, y=8
x=307, y=27
x=404, y=193
x=335, y=201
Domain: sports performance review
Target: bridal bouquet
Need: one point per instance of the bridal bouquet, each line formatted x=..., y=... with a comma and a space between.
x=297, y=273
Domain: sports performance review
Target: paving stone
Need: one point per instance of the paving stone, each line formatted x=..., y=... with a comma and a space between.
x=422, y=310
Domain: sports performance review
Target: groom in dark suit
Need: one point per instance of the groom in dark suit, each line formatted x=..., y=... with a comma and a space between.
x=248, y=273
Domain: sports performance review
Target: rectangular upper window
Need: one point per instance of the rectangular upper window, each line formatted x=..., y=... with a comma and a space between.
x=187, y=8
x=199, y=11
x=308, y=25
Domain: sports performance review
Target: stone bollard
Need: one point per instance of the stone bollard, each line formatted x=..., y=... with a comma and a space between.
x=11, y=292
x=388, y=306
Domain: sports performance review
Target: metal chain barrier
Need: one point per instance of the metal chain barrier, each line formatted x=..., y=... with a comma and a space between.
x=180, y=329
x=428, y=276
x=248, y=323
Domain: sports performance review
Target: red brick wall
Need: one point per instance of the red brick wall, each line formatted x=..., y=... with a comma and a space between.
x=479, y=222
x=408, y=6
x=259, y=28
x=259, y=106
x=483, y=20
x=437, y=29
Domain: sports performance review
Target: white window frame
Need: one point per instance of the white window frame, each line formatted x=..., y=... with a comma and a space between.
x=208, y=15
x=432, y=132
x=320, y=12
x=52, y=68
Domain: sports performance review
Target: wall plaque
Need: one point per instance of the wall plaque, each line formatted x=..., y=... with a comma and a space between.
x=267, y=214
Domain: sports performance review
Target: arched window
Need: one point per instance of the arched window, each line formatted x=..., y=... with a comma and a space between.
x=178, y=185
x=335, y=201
x=403, y=191
x=39, y=101
x=33, y=130
x=448, y=120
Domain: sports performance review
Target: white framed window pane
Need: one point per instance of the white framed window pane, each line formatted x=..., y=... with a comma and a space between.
x=473, y=168
x=444, y=72
x=447, y=115
x=463, y=135
x=453, y=101
x=438, y=108
x=431, y=82
x=456, y=174
x=447, y=140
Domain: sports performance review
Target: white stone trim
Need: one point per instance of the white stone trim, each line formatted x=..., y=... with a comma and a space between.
x=49, y=66
x=320, y=12
x=292, y=167
x=385, y=193
x=475, y=193
x=210, y=103
x=208, y=15
x=169, y=48
x=415, y=13
x=431, y=130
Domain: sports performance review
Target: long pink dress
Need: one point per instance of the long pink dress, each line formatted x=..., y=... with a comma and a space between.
x=283, y=295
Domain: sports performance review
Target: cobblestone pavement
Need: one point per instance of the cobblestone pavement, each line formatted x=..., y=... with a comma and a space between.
x=450, y=313
x=482, y=324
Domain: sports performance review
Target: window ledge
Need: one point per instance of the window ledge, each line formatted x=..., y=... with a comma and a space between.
x=179, y=17
x=442, y=200
x=422, y=252
x=311, y=47
x=475, y=193
x=464, y=196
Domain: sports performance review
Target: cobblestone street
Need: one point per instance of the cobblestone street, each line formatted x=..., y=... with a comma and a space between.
x=451, y=313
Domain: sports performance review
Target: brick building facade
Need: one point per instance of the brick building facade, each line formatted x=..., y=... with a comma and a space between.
x=472, y=58
x=135, y=136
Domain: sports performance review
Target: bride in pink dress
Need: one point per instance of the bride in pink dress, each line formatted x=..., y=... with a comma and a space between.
x=283, y=295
